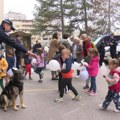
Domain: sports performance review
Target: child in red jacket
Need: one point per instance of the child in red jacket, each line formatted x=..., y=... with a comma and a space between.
x=113, y=85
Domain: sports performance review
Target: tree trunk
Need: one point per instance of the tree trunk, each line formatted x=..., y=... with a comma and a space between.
x=62, y=16
x=109, y=16
x=86, y=20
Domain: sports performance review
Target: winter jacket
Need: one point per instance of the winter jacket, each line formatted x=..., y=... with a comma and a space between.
x=9, y=41
x=40, y=61
x=67, y=72
x=93, y=66
x=114, y=81
x=11, y=62
x=66, y=43
x=78, y=52
x=27, y=59
x=53, y=49
x=86, y=46
x=3, y=67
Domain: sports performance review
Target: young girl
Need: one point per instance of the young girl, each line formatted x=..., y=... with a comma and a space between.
x=27, y=61
x=113, y=81
x=40, y=63
x=92, y=68
x=67, y=74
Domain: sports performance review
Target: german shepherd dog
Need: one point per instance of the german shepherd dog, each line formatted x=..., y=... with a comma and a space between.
x=12, y=90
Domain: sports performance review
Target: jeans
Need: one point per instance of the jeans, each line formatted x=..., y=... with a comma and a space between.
x=93, y=84
x=68, y=82
x=112, y=96
x=38, y=71
x=1, y=83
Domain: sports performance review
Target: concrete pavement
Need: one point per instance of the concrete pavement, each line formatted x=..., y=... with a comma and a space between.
x=39, y=99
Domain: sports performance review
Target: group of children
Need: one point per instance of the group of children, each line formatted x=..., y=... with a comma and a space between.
x=113, y=79
x=6, y=65
x=39, y=64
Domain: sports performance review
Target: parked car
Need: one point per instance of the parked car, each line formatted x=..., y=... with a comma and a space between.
x=107, y=40
x=107, y=48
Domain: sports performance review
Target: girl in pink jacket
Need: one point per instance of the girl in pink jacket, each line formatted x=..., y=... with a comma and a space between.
x=92, y=68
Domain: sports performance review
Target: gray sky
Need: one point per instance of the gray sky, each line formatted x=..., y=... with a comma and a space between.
x=24, y=6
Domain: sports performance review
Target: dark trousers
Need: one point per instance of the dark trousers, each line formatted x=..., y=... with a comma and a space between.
x=113, y=53
x=102, y=55
x=38, y=71
x=68, y=82
x=93, y=84
x=59, y=83
x=17, y=62
x=78, y=72
x=112, y=96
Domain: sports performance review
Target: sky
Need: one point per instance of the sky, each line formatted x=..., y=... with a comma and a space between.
x=23, y=6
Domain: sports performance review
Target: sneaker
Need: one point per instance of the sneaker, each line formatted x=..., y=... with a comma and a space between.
x=76, y=98
x=92, y=93
x=54, y=78
x=40, y=81
x=59, y=99
x=101, y=107
x=116, y=110
x=86, y=87
x=77, y=76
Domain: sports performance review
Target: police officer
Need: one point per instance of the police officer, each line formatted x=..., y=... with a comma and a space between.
x=101, y=50
x=113, y=45
x=5, y=27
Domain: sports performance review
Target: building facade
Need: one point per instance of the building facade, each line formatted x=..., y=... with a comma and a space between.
x=22, y=24
x=15, y=16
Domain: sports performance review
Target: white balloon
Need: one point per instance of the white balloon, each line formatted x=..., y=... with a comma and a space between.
x=46, y=49
x=33, y=61
x=84, y=75
x=54, y=65
x=75, y=66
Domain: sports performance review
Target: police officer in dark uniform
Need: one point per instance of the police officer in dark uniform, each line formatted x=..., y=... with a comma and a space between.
x=101, y=50
x=113, y=45
x=5, y=27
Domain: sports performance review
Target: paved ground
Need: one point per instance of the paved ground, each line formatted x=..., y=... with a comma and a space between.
x=39, y=99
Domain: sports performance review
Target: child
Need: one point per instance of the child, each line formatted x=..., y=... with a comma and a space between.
x=113, y=81
x=11, y=62
x=27, y=61
x=67, y=74
x=92, y=68
x=40, y=63
x=3, y=68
